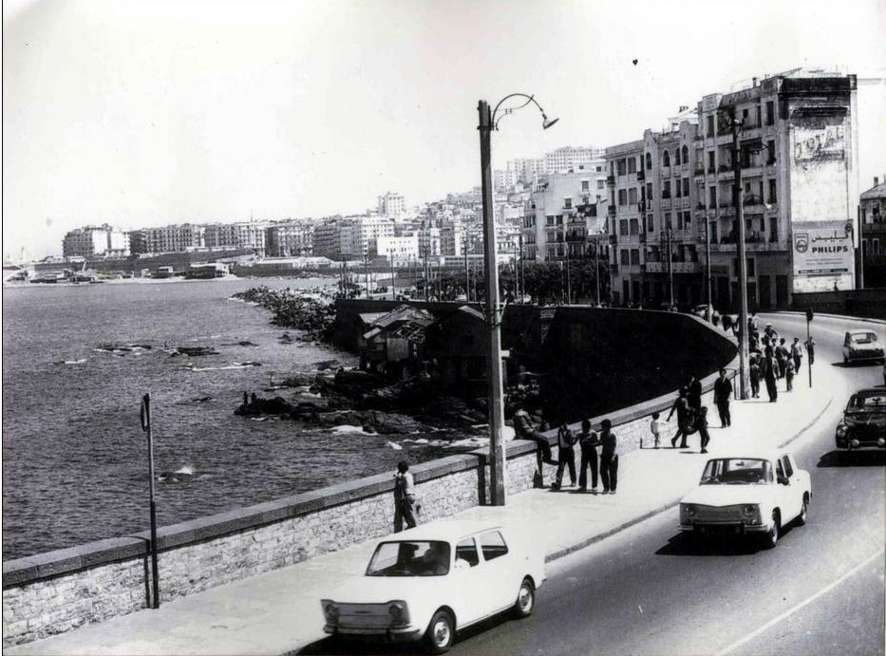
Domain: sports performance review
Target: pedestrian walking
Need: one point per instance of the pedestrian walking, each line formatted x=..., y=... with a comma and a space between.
x=789, y=375
x=797, y=354
x=693, y=393
x=684, y=416
x=722, y=396
x=566, y=455
x=769, y=368
x=755, y=377
x=703, y=429
x=655, y=429
x=588, y=442
x=782, y=355
x=608, y=458
x=810, y=349
x=405, y=505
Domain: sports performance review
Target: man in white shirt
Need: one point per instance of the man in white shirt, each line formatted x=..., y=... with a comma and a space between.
x=404, y=498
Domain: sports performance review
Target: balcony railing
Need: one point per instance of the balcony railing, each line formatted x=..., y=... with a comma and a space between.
x=699, y=170
x=641, y=175
x=752, y=199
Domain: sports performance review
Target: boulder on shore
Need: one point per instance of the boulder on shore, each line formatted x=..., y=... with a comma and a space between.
x=195, y=351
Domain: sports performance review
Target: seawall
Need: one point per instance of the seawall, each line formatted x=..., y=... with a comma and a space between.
x=50, y=593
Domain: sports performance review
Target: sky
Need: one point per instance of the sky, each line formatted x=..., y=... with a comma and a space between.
x=142, y=113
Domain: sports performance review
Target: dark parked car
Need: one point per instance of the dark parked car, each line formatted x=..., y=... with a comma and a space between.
x=864, y=421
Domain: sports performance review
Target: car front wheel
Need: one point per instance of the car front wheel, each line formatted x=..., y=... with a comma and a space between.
x=525, y=603
x=804, y=511
x=772, y=536
x=441, y=632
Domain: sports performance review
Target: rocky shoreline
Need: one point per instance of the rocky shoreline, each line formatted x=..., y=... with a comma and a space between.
x=314, y=314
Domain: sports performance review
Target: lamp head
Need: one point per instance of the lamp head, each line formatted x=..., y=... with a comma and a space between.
x=547, y=122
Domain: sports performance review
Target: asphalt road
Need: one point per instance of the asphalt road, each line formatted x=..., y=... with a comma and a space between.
x=649, y=591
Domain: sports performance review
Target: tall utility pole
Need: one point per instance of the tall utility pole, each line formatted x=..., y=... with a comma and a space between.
x=568, y=276
x=597, y=267
x=744, y=377
x=707, y=250
x=496, y=387
x=467, y=273
x=670, y=265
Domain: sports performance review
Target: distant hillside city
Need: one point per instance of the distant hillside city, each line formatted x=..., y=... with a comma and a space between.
x=660, y=211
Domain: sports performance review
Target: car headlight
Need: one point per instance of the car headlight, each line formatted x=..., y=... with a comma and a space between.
x=751, y=513
x=841, y=430
x=688, y=510
x=398, y=612
x=330, y=611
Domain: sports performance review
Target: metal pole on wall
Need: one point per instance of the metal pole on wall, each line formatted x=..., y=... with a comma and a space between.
x=743, y=377
x=808, y=342
x=496, y=386
x=146, y=426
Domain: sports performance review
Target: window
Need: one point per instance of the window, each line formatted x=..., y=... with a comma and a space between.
x=770, y=151
x=678, y=190
x=625, y=257
x=773, y=197
x=466, y=550
x=773, y=229
x=412, y=558
x=770, y=112
x=685, y=186
x=567, y=203
x=621, y=167
x=710, y=125
x=600, y=184
x=493, y=545
x=712, y=191
x=679, y=220
x=650, y=223
x=667, y=219
x=712, y=226
x=666, y=191
x=635, y=256
x=622, y=197
x=677, y=157
x=623, y=228
x=666, y=159
x=549, y=220
x=648, y=161
x=712, y=168
x=585, y=185
x=599, y=169
x=634, y=225
x=685, y=150
x=632, y=195
x=632, y=165
x=649, y=190
x=788, y=469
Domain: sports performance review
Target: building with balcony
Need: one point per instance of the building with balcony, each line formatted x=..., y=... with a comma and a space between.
x=392, y=205
x=872, y=216
x=797, y=159
x=250, y=235
x=399, y=251
x=177, y=238
x=626, y=214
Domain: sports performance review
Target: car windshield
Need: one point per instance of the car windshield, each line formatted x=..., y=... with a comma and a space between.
x=864, y=338
x=737, y=471
x=871, y=401
x=410, y=558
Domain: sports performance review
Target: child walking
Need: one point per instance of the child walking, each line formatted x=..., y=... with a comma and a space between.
x=655, y=429
x=789, y=374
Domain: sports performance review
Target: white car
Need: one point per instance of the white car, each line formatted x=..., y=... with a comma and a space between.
x=431, y=581
x=861, y=345
x=757, y=493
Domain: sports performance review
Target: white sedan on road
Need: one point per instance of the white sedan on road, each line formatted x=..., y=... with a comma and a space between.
x=434, y=580
x=756, y=493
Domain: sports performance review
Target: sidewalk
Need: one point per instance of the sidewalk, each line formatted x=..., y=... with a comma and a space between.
x=279, y=611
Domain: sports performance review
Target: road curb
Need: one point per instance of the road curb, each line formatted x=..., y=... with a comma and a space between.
x=832, y=316
x=560, y=553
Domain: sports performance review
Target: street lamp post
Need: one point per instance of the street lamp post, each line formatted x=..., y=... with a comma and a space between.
x=597, y=267
x=488, y=123
x=670, y=267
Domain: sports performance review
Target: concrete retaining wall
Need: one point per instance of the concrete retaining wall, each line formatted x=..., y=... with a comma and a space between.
x=60, y=590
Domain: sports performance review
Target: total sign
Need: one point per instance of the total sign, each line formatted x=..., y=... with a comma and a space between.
x=823, y=256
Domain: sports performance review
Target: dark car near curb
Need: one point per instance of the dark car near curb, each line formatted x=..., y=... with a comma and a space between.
x=864, y=421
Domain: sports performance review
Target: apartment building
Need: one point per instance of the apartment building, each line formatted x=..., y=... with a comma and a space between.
x=91, y=241
x=243, y=234
x=294, y=238
x=571, y=157
x=391, y=205
x=562, y=216
x=626, y=213
x=168, y=239
x=872, y=216
x=399, y=251
x=797, y=158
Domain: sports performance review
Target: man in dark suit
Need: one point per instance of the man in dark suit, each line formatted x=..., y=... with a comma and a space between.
x=722, y=396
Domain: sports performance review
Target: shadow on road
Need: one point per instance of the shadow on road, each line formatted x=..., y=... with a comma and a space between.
x=853, y=459
x=857, y=363
x=686, y=544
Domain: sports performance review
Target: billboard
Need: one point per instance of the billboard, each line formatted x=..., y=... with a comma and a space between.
x=823, y=256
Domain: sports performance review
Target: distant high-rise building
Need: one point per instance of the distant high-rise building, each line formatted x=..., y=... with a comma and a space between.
x=293, y=238
x=391, y=205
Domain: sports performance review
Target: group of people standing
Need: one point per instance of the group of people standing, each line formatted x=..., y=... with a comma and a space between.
x=603, y=465
x=772, y=359
x=692, y=416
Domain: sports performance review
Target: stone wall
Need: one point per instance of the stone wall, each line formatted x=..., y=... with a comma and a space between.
x=58, y=591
